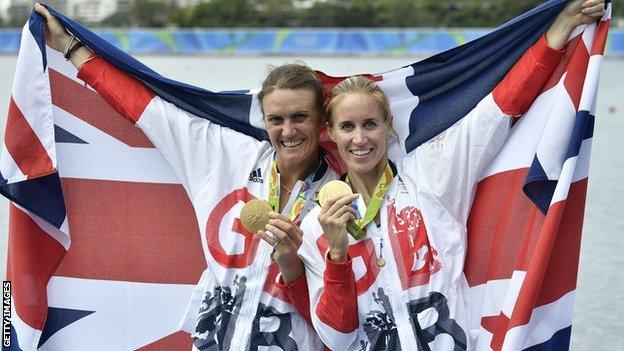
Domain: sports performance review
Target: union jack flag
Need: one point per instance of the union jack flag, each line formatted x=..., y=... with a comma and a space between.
x=104, y=249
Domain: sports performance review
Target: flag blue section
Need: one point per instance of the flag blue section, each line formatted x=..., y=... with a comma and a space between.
x=450, y=84
x=560, y=341
x=36, y=25
x=63, y=136
x=538, y=187
x=59, y=318
x=583, y=129
x=14, y=345
x=42, y=196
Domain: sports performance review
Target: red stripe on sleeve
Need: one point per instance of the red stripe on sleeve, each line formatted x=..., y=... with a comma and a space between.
x=24, y=145
x=33, y=255
x=337, y=306
x=521, y=85
x=125, y=94
x=298, y=295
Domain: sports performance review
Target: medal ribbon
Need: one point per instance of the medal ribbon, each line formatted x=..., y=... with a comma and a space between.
x=300, y=201
x=357, y=228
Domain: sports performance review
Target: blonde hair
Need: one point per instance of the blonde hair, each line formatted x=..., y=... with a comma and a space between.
x=293, y=76
x=358, y=84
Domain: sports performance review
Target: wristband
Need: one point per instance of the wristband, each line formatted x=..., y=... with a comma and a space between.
x=73, y=48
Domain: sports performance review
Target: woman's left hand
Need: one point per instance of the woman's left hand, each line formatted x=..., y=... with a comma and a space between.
x=286, y=240
x=576, y=13
x=582, y=12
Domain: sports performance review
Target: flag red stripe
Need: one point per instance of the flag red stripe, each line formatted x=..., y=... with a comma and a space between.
x=494, y=251
x=553, y=268
x=561, y=274
x=131, y=231
x=600, y=40
x=33, y=255
x=24, y=145
x=577, y=68
x=176, y=341
x=87, y=105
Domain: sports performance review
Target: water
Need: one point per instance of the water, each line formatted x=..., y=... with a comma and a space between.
x=599, y=307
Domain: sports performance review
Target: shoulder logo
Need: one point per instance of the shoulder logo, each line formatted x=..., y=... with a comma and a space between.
x=256, y=176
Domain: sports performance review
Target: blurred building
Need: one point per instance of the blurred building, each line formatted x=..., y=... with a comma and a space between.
x=16, y=11
x=92, y=11
x=185, y=3
x=304, y=4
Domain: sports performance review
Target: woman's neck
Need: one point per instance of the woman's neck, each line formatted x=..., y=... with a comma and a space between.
x=365, y=183
x=291, y=172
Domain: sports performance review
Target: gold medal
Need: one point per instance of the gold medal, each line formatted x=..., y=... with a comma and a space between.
x=255, y=215
x=381, y=262
x=331, y=189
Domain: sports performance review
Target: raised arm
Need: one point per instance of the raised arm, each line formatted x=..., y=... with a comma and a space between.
x=576, y=13
x=519, y=88
x=452, y=162
x=60, y=40
x=195, y=148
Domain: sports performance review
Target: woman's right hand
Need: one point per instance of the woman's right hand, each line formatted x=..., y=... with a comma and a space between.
x=56, y=35
x=333, y=219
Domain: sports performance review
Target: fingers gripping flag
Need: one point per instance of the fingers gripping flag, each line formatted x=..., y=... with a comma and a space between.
x=71, y=164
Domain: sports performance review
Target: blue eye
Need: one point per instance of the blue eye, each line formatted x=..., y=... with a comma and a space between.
x=370, y=124
x=346, y=126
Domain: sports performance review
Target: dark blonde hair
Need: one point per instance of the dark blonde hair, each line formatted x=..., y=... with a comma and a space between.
x=293, y=76
x=358, y=84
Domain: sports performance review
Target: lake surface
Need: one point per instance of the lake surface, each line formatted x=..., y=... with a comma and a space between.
x=599, y=308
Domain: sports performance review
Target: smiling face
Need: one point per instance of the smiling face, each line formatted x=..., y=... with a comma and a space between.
x=292, y=119
x=361, y=131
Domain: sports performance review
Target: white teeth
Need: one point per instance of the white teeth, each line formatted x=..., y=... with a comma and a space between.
x=292, y=143
x=361, y=152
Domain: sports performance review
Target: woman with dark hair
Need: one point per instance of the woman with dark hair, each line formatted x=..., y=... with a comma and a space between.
x=240, y=302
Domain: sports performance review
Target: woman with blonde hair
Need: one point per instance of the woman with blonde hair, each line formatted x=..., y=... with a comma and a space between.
x=385, y=266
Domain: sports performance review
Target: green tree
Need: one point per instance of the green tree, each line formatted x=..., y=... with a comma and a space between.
x=18, y=14
x=118, y=19
x=325, y=14
x=618, y=9
x=222, y=13
x=398, y=13
x=148, y=13
x=275, y=13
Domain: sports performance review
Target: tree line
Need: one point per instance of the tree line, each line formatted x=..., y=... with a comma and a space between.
x=330, y=13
